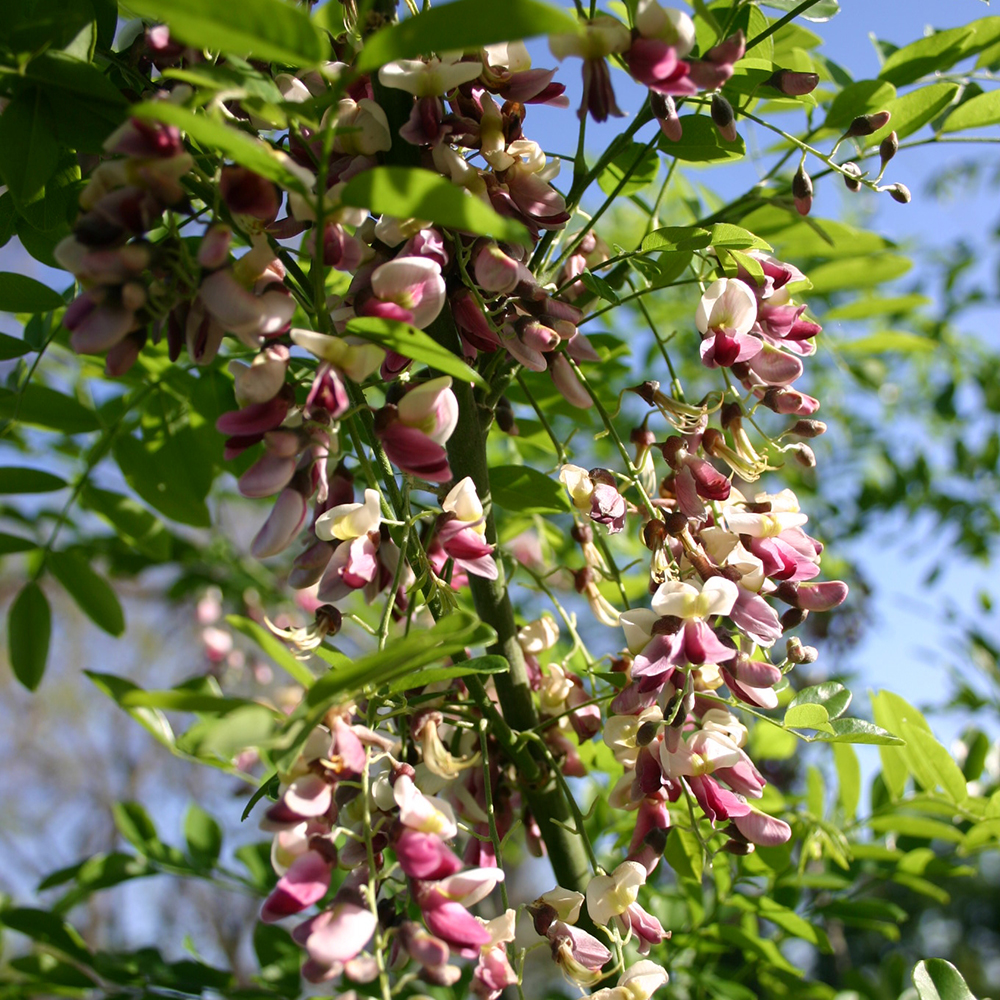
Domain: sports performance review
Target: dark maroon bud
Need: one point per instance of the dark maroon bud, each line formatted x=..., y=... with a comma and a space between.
x=853, y=181
x=888, y=148
x=665, y=112
x=582, y=578
x=731, y=411
x=802, y=190
x=325, y=848
x=328, y=615
x=792, y=618
x=604, y=476
x=670, y=448
x=867, y=124
x=643, y=437
x=724, y=117
x=738, y=847
x=505, y=417
x=807, y=428
x=676, y=523
x=712, y=440
x=900, y=193
x=387, y=915
x=582, y=534
x=667, y=625
x=646, y=391
x=803, y=455
x=654, y=534
x=647, y=733
x=792, y=83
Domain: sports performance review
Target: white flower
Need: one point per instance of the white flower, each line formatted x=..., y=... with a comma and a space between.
x=638, y=625
x=596, y=39
x=356, y=359
x=639, y=982
x=350, y=520
x=728, y=304
x=578, y=484
x=610, y=895
x=428, y=79
x=539, y=635
x=667, y=25
x=716, y=596
x=463, y=501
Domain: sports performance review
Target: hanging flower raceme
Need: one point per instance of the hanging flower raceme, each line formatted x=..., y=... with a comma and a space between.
x=415, y=430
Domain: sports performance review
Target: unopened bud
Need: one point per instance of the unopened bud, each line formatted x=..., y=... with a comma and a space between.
x=665, y=112
x=712, y=439
x=724, y=117
x=852, y=177
x=797, y=653
x=804, y=455
x=731, y=411
x=802, y=190
x=676, y=523
x=646, y=734
x=888, y=148
x=738, y=847
x=807, y=428
x=792, y=618
x=654, y=534
x=792, y=83
x=582, y=534
x=330, y=617
x=505, y=417
x=867, y=124
x=643, y=437
x=900, y=193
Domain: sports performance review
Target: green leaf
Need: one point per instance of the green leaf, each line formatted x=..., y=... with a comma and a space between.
x=157, y=475
x=523, y=490
x=856, y=731
x=43, y=407
x=700, y=142
x=914, y=110
x=936, y=979
x=821, y=11
x=21, y=294
x=100, y=871
x=886, y=342
x=152, y=720
x=414, y=344
x=134, y=824
x=182, y=700
x=10, y=544
x=268, y=787
x=134, y=524
x=490, y=664
x=864, y=308
x=915, y=826
x=788, y=920
x=412, y=192
x=932, y=764
x=203, y=837
x=401, y=657
x=859, y=272
x=834, y=698
x=721, y=235
x=29, y=625
x=601, y=288
x=860, y=98
x=47, y=929
x=849, y=777
x=977, y=112
x=926, y=55
x=91, y=592
x=267, y=29
x=274, y=648
x=807, y=716
x=61, y=74
x=29, y=151
x=241, y=147
x=19, y=479
x=641, y=163
x=684, y=854
x=466, y=24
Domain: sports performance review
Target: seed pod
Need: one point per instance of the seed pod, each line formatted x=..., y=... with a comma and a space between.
x=724, y=117
x=852, y=183
x=900, y=193
x=887, y=148
x=867, y=124
x=802, y=190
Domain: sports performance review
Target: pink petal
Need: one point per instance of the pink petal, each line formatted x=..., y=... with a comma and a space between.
x=306, y=882
x=282, y=525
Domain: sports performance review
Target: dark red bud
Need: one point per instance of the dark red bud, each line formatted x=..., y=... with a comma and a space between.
x=900, y=193
x=867, y=124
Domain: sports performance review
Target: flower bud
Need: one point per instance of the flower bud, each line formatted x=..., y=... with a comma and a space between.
x=792, y=83
x=807, y=428
x=804, y=455
x=724, y=117
x=867, y=124
x=797, y=653
x=852, y=182
x=900, y=193
x=802, y=190
x=888, y=147
x=792, y=618
x=665, y=112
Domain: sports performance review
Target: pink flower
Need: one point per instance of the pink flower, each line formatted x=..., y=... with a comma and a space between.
x=410, y=289
x=305, y=883
x=281, y=527
x=414, y=431
x=725, y=315
x=336, y=935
